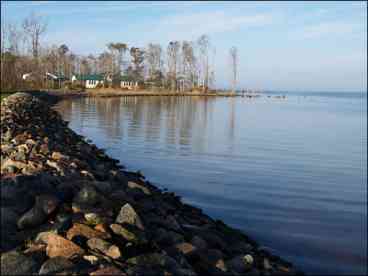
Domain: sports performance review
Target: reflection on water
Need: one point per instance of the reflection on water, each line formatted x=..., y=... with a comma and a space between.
x=291, y=173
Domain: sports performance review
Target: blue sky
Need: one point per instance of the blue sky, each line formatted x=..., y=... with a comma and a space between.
x=315, y=46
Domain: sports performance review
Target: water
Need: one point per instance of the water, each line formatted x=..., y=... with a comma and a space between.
x=291, y=173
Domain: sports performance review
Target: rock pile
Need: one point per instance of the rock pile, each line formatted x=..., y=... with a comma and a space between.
x=67, y=208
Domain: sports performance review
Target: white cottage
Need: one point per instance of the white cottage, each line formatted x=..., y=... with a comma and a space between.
x=90, y=81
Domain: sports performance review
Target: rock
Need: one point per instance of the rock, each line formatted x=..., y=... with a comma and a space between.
x=147, y=259
x=48, y=203
x=248, y=259
x=44, y=206
x=164, y=237
x=55, y=166
x=55, y=265
x=87, y=196
x=101, y=227
x=134, y=185
x=58, y=246
x=16, y=263
x=199, y=242
x=37, y=252
x=94, y=219
x=86, y=231
x=110, y=270
x=220, y=264
x=104, y=247
x=240, y=264
x=32, y=168
x=8, y=219
x=63, y=221
x=213, y=240
x=266, y=264
x=91, y=259
x=128, y=233
x=102, y=186
x=185, y=247
x=58, y=156
x=10, y=163
x=128, y=215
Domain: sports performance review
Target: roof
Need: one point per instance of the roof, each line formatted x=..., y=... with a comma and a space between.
x=127, y=78
x=98, y=77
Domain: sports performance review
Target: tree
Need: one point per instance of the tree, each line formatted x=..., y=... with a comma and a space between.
x=234, y=66
x=118, y=50
x=153, y=57
x=34, y=27
x=137, y=57
x=204, y=44
x=172, y=63
x=189, y=62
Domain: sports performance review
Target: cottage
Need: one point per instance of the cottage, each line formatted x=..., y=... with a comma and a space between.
x=128, y=83
x=89, y=81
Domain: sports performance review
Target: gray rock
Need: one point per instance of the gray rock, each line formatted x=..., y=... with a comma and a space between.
x=104, y=247
x=164, y=237
x=55, y=265
x=32, y=218
x=129, y=233
x=16, y=263
x=241, y=263
x=128, y=215
x=199, y=243
x=87, y=196
x=44, y=206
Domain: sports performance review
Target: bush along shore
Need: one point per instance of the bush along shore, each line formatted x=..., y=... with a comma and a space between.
x=67, y=208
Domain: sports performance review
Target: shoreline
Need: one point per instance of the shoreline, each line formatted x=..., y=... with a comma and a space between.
x=79, y=210
x=54, y=95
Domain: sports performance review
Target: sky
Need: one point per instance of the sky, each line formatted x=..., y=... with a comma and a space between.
x=294, y=46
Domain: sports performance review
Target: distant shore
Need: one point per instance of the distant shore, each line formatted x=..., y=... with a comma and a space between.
x=109, y=92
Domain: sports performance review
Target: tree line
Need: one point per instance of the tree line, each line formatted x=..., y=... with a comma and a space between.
x=181, y=65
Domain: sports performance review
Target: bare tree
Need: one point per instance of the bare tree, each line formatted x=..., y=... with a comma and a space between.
x=34, y=27
x=153, y=57
x=234, y=66
x=189, y=62
x=137, y=57
x=172, y=62
x=104, y=61
x=204, y=44
x=118, y=50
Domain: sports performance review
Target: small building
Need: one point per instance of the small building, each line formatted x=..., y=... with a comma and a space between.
x=49, y=80
x=91, y=80
x=128, y=83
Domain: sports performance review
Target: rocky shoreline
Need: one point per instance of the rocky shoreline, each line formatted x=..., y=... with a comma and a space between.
x=69, y=209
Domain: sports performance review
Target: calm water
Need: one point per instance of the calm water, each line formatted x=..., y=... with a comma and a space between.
x=290, y=173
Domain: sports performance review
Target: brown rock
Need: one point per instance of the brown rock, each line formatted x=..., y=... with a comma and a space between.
x=86, y=231
x=58, y=246
x=57, y=156
x=101, y=227
x=185, y=247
